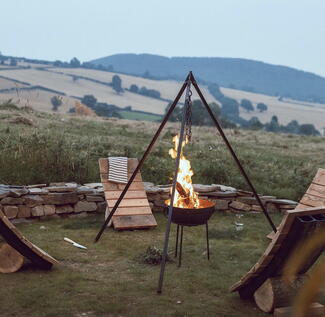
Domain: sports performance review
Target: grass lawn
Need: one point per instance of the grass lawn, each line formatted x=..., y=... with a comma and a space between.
x=109, y=279
x=133, y=115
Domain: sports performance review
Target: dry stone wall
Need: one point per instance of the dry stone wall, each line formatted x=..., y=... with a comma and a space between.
x=43, y=201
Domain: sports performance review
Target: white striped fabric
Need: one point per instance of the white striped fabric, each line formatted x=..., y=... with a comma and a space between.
x=118, y=169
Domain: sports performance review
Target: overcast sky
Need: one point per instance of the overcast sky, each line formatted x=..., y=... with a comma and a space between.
x=285, y=32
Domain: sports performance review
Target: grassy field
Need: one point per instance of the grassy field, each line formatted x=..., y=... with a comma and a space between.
x=67, y=148
x=60, y=79
x=81, y=87
x=285, y=110
x=110, y=279
x=132, y=115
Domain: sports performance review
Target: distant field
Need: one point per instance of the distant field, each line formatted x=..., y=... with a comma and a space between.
x=81, y=87
x=38, y=99
x=167, y=88
x=286, y=111
x=60, y=79
x=132, y=115
x=7, y=84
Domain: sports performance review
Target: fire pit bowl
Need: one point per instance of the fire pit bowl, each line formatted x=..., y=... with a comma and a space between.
x=191, y=216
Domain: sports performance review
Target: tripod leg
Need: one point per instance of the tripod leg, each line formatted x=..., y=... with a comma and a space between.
x=176, y=246
x=180, y=248
x=207, y=237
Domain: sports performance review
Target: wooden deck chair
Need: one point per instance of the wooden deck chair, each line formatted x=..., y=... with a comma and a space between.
x=134, y=211
x=296, y=226
x=17, y=247
x=314, y=196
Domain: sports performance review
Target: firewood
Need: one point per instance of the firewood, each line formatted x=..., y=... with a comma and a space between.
x=181, y=190
x=10, y=260
x=273, y=293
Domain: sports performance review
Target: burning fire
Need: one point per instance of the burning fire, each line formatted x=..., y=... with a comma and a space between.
x=185, y=196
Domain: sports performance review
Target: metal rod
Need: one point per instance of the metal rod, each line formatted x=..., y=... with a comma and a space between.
x=176, y=246
x=180, y=248
x=170, y=208
x=214, y=119
x=207, y=236
x=154, y=139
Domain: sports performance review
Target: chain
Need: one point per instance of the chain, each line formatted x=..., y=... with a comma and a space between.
x=188, y=118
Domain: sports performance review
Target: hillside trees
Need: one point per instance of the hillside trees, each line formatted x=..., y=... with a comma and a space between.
x=13, y=62
x=89, y=100
x=247, y=105
x=56, y=102
x=149, y=92
x=230, y=108
x=134, y=88
x=117, y=84
x=75, y=62
x=308, y=129
x=261, y=107
x=215, y=91
x=273, y=125
x=199, y=114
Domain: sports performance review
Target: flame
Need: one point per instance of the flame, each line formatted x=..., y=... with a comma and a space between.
x=184, y=178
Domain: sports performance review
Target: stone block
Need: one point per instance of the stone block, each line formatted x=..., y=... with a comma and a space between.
x=64, y=209
x=152, y=190
x=96, y=198
x=164, y=196
x=272, y=207
x=153, y=197
x=36, y=186
x=38, y=211
x=24, y=211
x=61, y=189
x=84, y=206
x=10, y=211
x=49, y=210
x=12, y=201
x=257, y=208
x=85, y=190
x=239, y=206
x=4, y=192
x=199, y=188
x=159, y=203
x=221, y=204
x=226, y=194
x=38, y=191
x=18, y=192
x=33, y=200
x=60, y=198
x=94, y=185
x=101, y=207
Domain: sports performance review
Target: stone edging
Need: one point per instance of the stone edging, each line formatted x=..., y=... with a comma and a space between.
x=73, y=200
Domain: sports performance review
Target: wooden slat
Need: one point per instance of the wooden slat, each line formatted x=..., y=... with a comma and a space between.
x=133, y=202
x=301, y=206
x=104, y=177
x=114, y=186
x=129, y=211
x=134, y=222
x=115, y=194
x=316, y=190
x=320, y=177
x=313, y=201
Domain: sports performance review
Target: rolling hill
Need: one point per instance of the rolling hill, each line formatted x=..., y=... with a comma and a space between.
x=237, y=73
x=30, y=84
